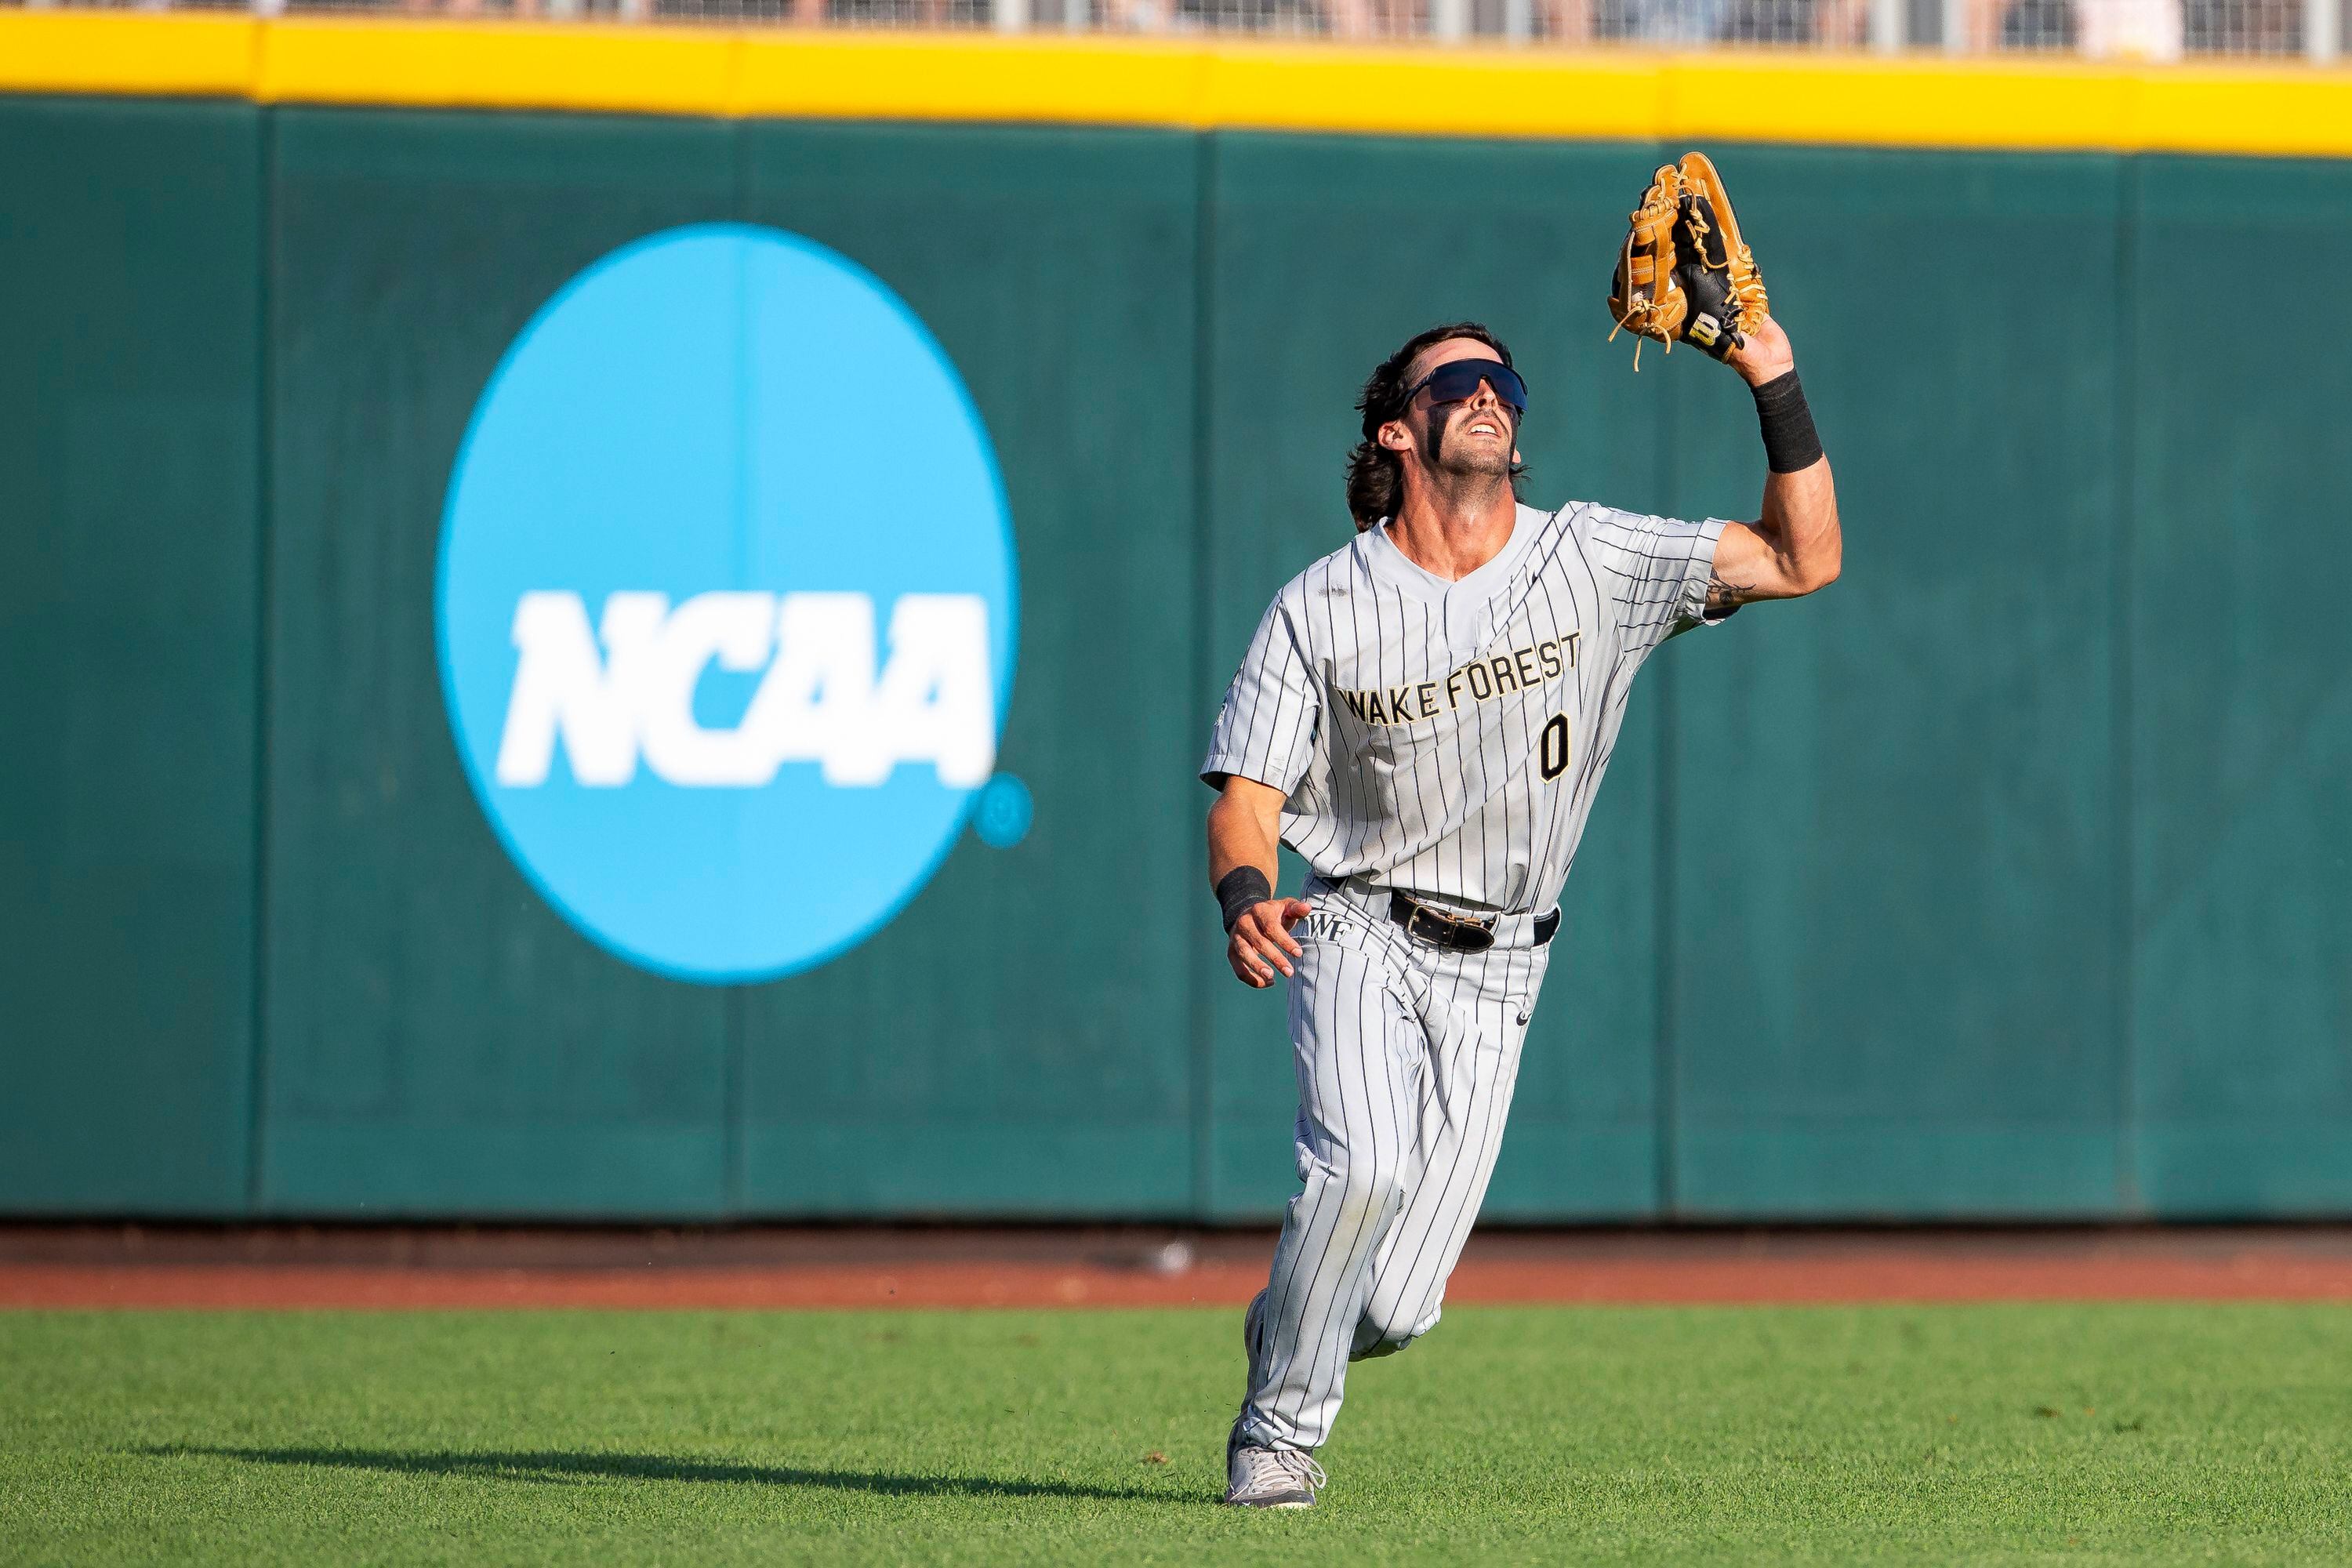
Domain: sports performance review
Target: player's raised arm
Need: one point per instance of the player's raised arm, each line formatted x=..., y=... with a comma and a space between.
x=1684, y=275
x=1793, y=547
x=1245, y=836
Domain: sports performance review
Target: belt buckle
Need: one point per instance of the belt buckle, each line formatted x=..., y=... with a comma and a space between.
x=1450, y=931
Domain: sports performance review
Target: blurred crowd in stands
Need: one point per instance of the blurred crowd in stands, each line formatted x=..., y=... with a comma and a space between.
x=2158, y=29
x=2128, y=29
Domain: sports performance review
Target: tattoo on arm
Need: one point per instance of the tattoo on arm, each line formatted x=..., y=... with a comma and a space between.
x=1723, y=594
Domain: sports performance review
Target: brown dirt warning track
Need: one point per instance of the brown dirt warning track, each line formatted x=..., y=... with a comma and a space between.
x=370, y=1267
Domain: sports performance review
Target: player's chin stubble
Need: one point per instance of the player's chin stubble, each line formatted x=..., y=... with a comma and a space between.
x=1469, y=462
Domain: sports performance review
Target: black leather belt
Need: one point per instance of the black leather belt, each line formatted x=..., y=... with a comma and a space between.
x=1455, y=933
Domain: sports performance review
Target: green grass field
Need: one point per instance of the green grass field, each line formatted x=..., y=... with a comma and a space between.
x=2133, y=1434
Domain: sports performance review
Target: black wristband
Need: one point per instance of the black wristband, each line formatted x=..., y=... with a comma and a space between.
x=1790, y=441
x=1240, y=888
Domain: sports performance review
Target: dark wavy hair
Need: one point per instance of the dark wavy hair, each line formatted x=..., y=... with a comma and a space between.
x=1375, y=474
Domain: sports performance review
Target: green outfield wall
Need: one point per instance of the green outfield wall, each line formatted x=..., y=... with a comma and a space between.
x=2008, y=879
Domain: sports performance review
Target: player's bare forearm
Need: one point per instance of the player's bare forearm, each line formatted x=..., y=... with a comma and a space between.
x=1244, y=828
x=1245, y=832
x=1793, y=548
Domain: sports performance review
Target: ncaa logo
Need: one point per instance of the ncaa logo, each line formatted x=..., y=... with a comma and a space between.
x=727, y=604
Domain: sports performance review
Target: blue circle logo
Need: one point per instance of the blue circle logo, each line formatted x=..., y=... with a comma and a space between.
x=726, y=602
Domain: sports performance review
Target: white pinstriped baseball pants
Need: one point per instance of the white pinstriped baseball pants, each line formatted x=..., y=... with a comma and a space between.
x=1406, y=1056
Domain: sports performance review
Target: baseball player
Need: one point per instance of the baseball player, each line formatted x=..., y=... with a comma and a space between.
x=1424, y=716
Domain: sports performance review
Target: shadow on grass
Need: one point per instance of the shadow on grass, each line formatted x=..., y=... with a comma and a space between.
x=558, y=1467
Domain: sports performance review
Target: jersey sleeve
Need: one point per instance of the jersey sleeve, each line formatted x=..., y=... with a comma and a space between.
x=1655, y=571
x=1266, y=728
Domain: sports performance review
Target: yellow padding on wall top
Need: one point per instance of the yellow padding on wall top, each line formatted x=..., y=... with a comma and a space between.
x=642, y=71
x=66, y=51
x=1920, y=102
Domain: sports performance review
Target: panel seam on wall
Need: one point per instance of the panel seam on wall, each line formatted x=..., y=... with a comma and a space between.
x=733, y=1030
x=2122, y=696
x=1664, y=1111
x=264, y=511
x=1201, y=968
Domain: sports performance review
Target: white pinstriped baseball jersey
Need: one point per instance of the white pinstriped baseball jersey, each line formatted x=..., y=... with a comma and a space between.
x=1447, y=738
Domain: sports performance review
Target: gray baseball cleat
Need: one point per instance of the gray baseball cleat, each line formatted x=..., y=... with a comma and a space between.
x=1271, y=1477
x=1265, y=1477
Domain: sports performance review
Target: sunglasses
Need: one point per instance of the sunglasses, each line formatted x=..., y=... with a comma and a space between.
x=1456, y=381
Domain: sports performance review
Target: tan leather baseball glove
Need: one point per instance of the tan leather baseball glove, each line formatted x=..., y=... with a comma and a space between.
x=1684, y=274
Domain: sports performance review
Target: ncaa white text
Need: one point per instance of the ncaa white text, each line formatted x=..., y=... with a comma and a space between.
x=821, y=700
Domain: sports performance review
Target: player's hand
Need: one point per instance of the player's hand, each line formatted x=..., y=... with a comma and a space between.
x=1261, y=941
x=1765, y=354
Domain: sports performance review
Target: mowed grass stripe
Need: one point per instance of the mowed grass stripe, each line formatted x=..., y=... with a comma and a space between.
x=2004, y=1433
